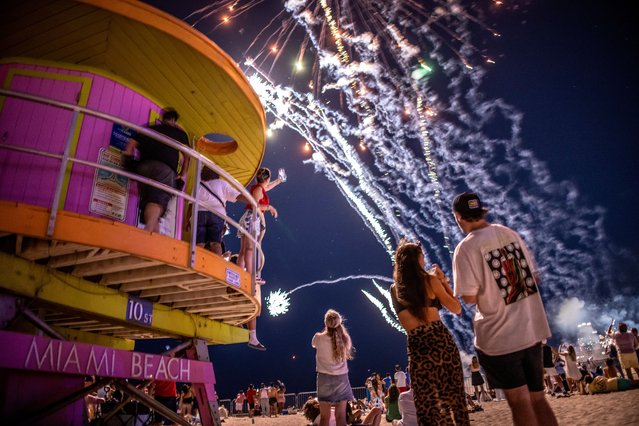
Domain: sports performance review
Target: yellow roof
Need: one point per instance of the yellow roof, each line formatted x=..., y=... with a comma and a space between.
x=156, y=52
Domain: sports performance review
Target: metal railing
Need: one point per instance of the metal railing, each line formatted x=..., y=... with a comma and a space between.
x=201, y=161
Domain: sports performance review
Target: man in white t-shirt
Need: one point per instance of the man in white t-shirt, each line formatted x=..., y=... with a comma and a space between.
x=264, y=405
x=494, y=270
x=400, y=379
x=212, y=195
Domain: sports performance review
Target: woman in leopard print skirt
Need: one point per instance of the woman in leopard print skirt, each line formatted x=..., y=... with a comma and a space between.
x=436, y=371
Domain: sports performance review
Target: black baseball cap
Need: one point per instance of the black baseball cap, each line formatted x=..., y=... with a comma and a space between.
x=468, y=205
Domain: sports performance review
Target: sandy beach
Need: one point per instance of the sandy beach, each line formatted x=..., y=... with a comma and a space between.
x=618, y=408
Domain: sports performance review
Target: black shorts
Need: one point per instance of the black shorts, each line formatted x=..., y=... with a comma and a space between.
x=210, y=228
x=515, y=369
x=161, y=173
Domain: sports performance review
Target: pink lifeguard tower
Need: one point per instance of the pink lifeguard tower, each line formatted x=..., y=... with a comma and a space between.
x=80, y=281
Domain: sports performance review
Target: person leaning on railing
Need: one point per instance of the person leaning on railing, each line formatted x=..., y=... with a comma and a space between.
x=213, y=195
x=159, y=162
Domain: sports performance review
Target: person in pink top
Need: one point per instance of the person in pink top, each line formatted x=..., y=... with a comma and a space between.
x=239, y=402
x=626, y=346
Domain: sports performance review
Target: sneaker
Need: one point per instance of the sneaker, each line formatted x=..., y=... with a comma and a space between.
x=257, y=346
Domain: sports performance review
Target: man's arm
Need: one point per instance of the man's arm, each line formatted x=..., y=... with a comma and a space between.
x=131, y=145
x=470, y=300
x=185, y=167
x=462, y=277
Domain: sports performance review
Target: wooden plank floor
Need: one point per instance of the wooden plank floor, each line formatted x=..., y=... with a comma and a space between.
x=193, y=291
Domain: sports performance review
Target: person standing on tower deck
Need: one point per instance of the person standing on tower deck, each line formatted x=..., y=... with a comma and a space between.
x=213, y=195
x=254, y=227
x=494, y=270
x=159, y=162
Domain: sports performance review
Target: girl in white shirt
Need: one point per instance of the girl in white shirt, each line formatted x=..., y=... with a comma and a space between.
x=333, y=350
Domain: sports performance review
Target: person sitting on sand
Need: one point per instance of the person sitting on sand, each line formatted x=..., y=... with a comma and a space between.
x=407, y=409
x=471, y=405
x=392, y=407
x=610, y=371
x=224, y=413
x=353, y=413
x=311, y=410
x=600, y=384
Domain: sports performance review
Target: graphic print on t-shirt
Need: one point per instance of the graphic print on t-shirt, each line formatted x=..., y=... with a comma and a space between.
x=511, y=272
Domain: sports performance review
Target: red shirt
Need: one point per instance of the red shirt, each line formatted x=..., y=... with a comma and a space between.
x=165, y=388
x=264, y=201
x=250, y=396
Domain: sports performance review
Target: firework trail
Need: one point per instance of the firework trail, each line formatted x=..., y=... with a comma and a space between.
x=278, y=302
x=395, y=117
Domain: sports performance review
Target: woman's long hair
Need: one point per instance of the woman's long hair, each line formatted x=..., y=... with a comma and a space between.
x=393, y=393
x=475, y=362
x=342, y=345
x=572, y=353
x=409, y=278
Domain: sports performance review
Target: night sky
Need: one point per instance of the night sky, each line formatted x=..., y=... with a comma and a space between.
x=569, y=67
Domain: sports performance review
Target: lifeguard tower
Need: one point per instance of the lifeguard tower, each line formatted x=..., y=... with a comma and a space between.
x=80, y=281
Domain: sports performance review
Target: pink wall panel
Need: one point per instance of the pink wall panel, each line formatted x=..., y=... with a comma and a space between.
x=31, y=179
x=110, y=97
x=36, y=126
x=26, y=390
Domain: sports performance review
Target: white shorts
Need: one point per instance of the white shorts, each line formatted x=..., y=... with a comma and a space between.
x=252, y=226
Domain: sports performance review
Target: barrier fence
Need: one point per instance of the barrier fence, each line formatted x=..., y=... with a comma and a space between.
x=297, y=400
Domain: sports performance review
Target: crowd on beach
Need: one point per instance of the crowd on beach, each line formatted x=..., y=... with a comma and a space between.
x=493, y=272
